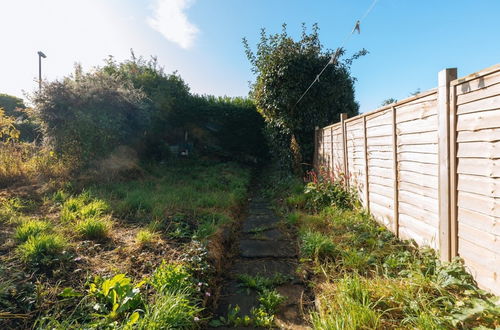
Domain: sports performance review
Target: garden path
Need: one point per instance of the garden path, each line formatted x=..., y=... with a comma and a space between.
x=267, y=250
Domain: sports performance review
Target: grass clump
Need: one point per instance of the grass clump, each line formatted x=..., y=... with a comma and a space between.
x=172, y=278
x=145, y=237
x=41, y=249
x=94, y=228
x=316, y=245
x=170, y=310
x=30, y=228
x=82, y=207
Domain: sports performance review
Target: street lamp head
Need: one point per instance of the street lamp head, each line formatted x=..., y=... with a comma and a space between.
x=41, y=54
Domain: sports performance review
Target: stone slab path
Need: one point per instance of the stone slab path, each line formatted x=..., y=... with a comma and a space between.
x=267, y=250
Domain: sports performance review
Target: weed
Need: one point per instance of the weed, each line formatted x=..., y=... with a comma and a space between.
x=172, y=278
x=116, y=296
x=270, y=299
x=145, y=237
x=170, y=310
x=261, y=283
x=94, y=228
x=41, y=249
x=315, y=245
x=30, y=228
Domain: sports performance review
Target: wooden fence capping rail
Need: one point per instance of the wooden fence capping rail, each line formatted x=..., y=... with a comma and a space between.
x=444, y=111
x=343, y=117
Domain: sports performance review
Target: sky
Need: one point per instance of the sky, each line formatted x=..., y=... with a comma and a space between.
x=409, y=41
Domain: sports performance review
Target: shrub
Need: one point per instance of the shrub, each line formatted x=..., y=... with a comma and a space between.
x=94, y=228
x=88, y=115
x=41, y=249
x=30, y=228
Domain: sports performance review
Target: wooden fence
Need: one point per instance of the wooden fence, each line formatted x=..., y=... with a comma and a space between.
x=428, y=168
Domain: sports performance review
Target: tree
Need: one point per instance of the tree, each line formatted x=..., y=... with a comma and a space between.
x=284, y=69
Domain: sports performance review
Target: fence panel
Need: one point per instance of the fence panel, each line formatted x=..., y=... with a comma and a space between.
x=418, y=170
x=477, y=102
x=428, y=168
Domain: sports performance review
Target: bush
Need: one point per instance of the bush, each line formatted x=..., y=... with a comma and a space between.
x=85, y=116
x=41, y=249
x=30, y=228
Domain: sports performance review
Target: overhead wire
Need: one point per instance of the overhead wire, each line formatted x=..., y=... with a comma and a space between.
x=334, y=57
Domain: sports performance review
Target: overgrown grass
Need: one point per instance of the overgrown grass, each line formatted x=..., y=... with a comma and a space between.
x=365, y=278
x=94, y=228
x=42, y=249
x=30, y=228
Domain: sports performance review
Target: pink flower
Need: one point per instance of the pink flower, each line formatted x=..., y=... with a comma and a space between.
x=207, y=294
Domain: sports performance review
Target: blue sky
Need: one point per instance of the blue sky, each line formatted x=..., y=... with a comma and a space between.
x=409, y=41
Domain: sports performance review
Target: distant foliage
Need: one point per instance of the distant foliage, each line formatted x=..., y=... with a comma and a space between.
x=284, y=68
x=15, y=109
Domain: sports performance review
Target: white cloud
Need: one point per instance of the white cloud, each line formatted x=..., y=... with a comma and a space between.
x=169, y=18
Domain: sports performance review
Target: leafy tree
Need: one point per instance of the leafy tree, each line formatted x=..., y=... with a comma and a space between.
x=284, y=69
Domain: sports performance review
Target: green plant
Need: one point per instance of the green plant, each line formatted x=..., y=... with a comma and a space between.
x=172, y=278
x=170, y=310
x=261, y=283
x=270, y=300
x=94, y=228
x=325, y=190
x=317, y=245
x=30, y=228
x=42, y=249
x=145, y=237
x=116, y=296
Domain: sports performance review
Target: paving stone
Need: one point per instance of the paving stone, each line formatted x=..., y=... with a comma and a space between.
x=292, y=292
x=232, y=295
x=256, y=222
x=272, y=234
x=259, y=249
x=264, y=267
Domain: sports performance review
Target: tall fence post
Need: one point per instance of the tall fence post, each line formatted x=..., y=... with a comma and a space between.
x=367, y=183
x=395, y=227
x=343, y=117
x=315, y=157
x=444, y=112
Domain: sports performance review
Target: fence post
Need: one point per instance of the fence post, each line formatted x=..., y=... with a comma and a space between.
x=343, y=117
x=315, y=156
x=443, y=99
x=395, y=227
x=367, y=184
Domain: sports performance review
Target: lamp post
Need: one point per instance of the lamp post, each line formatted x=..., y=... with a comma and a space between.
x=40, y=55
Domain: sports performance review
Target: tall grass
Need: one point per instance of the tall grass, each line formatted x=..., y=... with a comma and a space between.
x=368, y=279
